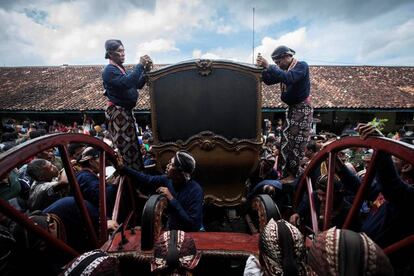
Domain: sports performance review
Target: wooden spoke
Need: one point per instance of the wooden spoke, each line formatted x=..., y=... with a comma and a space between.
x=361, y=194
x=23, y=220
x=78, y=195
x=314, y=217
x=329, y=191
x=103, y=234
x=395, y=148
x=115, y=211
x=21, y=153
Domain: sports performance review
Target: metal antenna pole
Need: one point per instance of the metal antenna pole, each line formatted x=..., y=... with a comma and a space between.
x=253, y=39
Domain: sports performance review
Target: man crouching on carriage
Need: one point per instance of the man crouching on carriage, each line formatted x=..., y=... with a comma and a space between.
x=185, y=195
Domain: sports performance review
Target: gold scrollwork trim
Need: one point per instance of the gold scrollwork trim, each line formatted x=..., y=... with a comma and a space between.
x=207, y=140
x=224, y=201
x=204, y=67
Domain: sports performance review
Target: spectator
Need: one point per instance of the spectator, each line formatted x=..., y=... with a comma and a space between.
x=87, y=125
x=34, y=133
x=265, y=178
x=49, y=155
x=44, y=190
x=39, y=257
x=67, y=210
x=10, y=186
x=388, y=223
x=8, y=141
x=88, y=180
x=340, y=206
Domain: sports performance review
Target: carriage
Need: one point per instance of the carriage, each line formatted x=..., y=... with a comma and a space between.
x=211, y=109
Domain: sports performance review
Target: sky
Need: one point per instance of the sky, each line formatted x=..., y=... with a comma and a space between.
x=322, y=32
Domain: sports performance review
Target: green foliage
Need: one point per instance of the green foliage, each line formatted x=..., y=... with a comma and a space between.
x=378, y=123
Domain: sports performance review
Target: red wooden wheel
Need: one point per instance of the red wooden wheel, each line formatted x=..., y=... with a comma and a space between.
x=398, y=149
x=21, y=153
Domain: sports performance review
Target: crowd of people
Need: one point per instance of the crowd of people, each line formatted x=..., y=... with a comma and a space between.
x=41, y=188
x=383, y=214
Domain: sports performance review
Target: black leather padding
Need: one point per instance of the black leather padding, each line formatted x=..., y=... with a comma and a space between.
x=147, y=222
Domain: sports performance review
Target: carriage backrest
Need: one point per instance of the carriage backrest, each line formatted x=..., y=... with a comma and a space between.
x=213, y=110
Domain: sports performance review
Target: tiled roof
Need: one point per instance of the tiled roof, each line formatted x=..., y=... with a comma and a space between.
x=72, y=88
x=355, y=87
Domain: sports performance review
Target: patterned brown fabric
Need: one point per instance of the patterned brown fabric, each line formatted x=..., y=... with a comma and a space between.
x=295, y=136
x=187, y=254
x=92, y=263
x=60, y=227
x=46, y=221
x=273, y=253
x=326, y=256
x=121, y=126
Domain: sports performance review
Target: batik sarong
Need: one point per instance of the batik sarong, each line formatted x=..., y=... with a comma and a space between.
x=295, y=136
x=121, y=126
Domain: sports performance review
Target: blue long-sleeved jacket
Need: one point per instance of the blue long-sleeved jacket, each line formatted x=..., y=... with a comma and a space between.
x=296, y=80
x=89, y=186
x=393, y=220
x=68, y=211
x=186, y=208
x=121, y=89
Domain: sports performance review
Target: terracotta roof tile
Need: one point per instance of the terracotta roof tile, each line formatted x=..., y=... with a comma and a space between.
x=71, y=88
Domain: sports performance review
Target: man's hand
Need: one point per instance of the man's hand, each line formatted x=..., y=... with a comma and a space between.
x=261, y=61
x=119, y=162
x=367, y=130
x=164, y=191
x=146, y=61
x=111, y=225
x=327, y=142
x=63, y=178
x=294, y=219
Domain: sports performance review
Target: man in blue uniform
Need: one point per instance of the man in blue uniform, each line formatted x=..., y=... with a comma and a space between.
x=185, y=195
x=293, y=76
x=121, y=89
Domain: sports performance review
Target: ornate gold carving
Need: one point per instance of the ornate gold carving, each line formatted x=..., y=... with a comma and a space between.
x=207, y=144
x=204, y=67
x=222, y=187
x=224, y=201
x=208, y=140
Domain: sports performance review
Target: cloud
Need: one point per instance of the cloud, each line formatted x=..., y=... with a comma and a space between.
x=268, y=13
x=79, y=35
x=51, y=32
x=384, y=40
x=155, y=46
x=226, y=29
x=233, y=54
x=296, y=40
x=198, y=54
